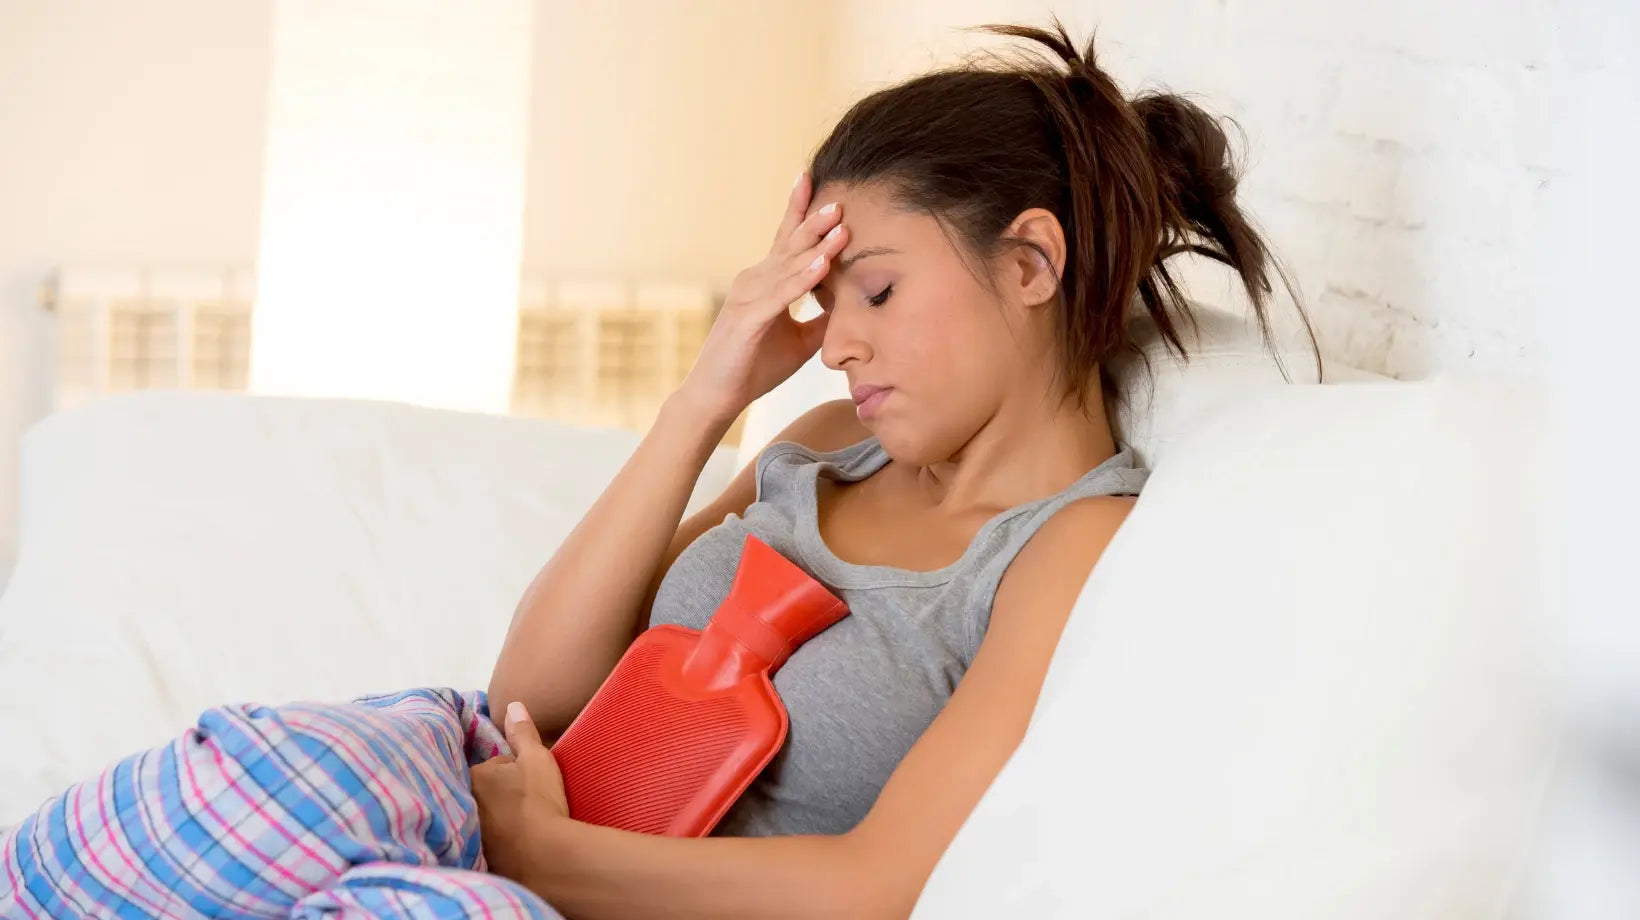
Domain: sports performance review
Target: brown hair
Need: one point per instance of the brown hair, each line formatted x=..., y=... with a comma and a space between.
x=1132, y=182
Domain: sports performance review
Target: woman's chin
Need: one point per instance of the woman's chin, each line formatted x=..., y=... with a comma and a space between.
x=901, y=445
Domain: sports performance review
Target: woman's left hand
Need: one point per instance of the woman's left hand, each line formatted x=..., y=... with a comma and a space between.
x=515, y=794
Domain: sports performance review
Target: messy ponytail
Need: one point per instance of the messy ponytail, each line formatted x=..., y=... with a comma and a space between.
x=1196, y=187
x=1132, y=184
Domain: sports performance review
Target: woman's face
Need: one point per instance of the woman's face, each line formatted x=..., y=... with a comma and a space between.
x=908, y=315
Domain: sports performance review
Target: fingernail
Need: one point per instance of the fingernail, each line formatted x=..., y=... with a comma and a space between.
x=799, y=180
x=833, y=232
x=516, y=712
x=828, y=209
x=818, y=261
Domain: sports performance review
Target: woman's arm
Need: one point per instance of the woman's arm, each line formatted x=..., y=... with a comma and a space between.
x=558, y=650
x=586, y=604
x=580, y=612
x=877, y=870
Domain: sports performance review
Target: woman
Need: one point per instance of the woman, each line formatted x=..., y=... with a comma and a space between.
x=974, y=237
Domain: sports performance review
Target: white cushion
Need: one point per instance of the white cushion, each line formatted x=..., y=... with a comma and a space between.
x=183, y=550
x=1304, y=681
x=1158, y=395
x=1228, y=355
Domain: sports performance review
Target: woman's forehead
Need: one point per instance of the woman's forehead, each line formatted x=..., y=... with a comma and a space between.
x=861, y=201
x=873, y=216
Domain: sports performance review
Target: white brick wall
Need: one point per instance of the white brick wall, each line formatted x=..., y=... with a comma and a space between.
x=1402, y=154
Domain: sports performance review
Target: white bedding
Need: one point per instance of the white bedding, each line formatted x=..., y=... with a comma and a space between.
x=180, y=550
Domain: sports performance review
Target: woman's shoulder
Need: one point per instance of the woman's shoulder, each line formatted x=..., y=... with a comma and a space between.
x=1059, y=556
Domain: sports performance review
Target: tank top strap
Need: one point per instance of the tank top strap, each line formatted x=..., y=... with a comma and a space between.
x=776, y=465
x=1119, y=475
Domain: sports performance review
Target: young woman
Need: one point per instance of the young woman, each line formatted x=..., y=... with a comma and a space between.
x=976, y=238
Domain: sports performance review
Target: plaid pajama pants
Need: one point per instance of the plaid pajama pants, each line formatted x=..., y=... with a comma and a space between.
x=349, y=810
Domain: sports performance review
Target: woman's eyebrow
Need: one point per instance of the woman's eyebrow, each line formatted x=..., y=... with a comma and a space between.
x=845, y=262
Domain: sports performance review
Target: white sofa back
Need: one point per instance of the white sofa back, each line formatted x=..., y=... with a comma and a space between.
x=180, y=550
x=1303, y=682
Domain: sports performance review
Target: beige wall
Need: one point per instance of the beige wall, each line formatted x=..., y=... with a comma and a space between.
x=392, y=227
x=663, y=139
x=130, y=133
x=666, y=135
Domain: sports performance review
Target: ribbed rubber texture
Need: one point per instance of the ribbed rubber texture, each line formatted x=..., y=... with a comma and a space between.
x=686, y=720
x=643, y=758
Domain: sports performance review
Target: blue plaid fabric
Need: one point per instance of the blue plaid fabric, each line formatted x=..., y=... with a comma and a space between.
x=347, y=810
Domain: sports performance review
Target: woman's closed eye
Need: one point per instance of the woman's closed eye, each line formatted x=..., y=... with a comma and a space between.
x=879, y=299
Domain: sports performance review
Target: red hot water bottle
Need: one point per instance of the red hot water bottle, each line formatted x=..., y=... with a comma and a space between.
x=687, y=719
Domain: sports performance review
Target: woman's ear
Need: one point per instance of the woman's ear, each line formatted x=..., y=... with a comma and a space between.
x=1034, y=280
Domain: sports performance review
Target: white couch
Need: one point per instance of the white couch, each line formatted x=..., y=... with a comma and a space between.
x=1305, y=681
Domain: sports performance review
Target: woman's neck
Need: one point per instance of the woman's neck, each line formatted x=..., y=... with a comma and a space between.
x=1030, y=449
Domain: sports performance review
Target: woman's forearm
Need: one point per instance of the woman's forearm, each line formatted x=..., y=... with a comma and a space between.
x=580, y=612
x=597, y=873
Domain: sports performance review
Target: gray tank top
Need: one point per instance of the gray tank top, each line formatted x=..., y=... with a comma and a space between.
x=860, y=693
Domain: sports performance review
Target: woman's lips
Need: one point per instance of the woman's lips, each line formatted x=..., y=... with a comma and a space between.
x=867, y=399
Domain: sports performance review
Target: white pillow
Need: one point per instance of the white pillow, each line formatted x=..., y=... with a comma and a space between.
x=1228, y=355
x=1305, y=680
x=180, y=550
x=1159, y=396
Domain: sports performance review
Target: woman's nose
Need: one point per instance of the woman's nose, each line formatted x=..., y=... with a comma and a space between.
x=843, y=342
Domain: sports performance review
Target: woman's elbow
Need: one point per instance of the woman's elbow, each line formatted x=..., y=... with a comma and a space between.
x=874, y=883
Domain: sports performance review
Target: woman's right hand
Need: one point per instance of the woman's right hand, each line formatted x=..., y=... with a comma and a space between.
x=755, y=343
